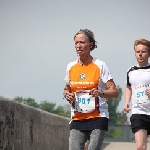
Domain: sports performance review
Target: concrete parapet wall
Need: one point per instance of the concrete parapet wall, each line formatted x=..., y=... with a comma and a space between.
x=26, y=128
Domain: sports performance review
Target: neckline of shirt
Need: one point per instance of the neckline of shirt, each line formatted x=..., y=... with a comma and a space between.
x=140, y=67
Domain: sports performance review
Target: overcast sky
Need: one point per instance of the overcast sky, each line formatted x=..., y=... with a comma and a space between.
x=36, y=42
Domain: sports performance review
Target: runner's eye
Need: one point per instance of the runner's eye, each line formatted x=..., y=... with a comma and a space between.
x=82, y=42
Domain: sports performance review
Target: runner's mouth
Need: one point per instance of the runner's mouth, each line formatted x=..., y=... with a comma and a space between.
x=80, y=51
x=140, y=58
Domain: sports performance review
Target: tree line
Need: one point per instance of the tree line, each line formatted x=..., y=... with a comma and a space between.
x=46, y=106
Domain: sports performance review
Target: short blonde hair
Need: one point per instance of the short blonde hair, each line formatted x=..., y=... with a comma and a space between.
x=142, y=42
x=89, y=35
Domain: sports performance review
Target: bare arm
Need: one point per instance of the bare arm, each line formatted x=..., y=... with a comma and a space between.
x=112, y=91
x=128, y=93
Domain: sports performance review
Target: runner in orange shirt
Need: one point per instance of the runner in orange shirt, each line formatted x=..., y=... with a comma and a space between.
x=88, y=84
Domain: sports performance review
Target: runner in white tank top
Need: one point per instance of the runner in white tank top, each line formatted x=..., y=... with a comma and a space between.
x=138, y=91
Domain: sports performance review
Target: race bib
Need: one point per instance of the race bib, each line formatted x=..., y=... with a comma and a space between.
x=85, y=103
x=140, y=93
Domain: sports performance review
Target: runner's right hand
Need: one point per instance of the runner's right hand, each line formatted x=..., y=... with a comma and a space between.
x=126, y=108
x=148, y=93
x=70, y=96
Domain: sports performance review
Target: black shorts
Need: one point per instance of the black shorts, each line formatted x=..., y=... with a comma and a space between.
x=88, y=138
x=140, y=121
x=90, y=124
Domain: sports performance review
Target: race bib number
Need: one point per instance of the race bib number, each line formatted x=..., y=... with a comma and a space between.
x=140, y=93
x=85, y=103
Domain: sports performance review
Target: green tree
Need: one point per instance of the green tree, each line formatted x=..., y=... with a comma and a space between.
x=31, y=102
x=60, y=111
x=20, y=100
x=47, y=106
x=27, y=101
x=67, y=109
x=64, y=110
x=116, y=117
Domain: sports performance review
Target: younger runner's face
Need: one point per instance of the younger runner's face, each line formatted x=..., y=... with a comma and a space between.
x=82, y=44
x=142, y=54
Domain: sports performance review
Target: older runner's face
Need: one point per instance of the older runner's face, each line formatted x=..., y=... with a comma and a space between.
x=82, y=44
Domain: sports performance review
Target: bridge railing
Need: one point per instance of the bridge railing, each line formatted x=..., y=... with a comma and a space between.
x=119, y=133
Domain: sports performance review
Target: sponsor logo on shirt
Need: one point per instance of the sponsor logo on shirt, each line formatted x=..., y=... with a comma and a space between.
x=147, y=85
x=82, y=83
x=82, y=76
